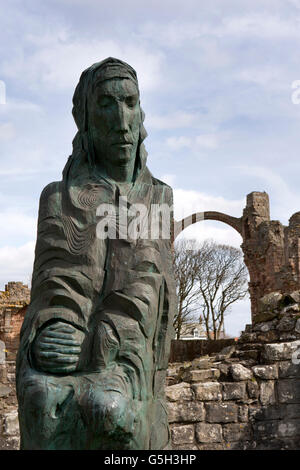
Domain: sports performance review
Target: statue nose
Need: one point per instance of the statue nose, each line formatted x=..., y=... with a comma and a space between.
x=122, y=118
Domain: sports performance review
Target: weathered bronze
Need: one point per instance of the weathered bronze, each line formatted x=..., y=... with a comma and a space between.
x=96, y=337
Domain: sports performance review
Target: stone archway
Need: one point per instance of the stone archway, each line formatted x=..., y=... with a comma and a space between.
x=271, y=250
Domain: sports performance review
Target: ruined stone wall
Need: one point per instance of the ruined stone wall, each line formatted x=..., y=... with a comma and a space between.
x=13, y=303
x=245, y=397
x=271, y=250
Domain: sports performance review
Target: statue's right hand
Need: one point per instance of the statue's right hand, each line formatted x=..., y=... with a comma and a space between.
x=57, y=348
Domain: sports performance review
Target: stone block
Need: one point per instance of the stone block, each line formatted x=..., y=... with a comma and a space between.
x=185, y=411
x=224, y=370
x=266, y=413
x=288, y=391
x=253, y=388
x=286, y=323
x=212, y=446
x=240, y=445
x=280, y=351
x=3, y=373
x=265, y=326
x=262, y=429
x=10, y=423
x=288, y=369
x=268, y=337
x=207, y=391
x=221, y=412
x=206, y=432
x=267, y=392
x=248, y=338
x=240, y=372
x=201, y=363
x=201, y=375
x=266, y=372
x=4, y=390
x=292, y=410
x=289, y=428
x=288, y=336
x=185, y=447
x=295, y=296
x=179, y=392
x=183, y=434
x=243, y=413
x=2, y=353
x=269, y=302
x=276, y=443
x=237, y=432
x=249, y=354
x=234, y=391
x=225, y=353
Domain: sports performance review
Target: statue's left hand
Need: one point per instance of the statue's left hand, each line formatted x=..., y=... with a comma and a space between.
x=57, y=348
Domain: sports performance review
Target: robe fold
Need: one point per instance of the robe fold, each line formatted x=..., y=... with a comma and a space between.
x=121, y=294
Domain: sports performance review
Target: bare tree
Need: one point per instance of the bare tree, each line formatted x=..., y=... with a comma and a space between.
x=185, y=264
x=222, y=280
x=210, y=278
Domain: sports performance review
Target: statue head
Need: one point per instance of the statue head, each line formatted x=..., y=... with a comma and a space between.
x=106, y=109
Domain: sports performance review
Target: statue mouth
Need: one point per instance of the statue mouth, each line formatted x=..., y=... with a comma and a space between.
x=123, y=144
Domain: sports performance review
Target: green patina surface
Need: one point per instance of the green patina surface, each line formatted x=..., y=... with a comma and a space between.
x=96, y=337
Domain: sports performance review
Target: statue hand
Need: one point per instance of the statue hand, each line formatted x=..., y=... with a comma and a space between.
x=57, y=348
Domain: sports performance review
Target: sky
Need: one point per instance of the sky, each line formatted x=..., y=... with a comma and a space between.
x=216, y=81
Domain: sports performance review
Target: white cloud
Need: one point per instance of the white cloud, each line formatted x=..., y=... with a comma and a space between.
x=56, y=60
x=283, y=201
x=17, y=224
x=171, y=121
x=178, y=143
x=205, y=230
x=186, y=202
x=272, y=77
x=267, y=26
x=16, y=263
x=238, y=317
x=15, y=106
x=168, y=179
x=202, y=142
x=7, y=131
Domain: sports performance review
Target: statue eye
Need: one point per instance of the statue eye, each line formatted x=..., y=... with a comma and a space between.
x=131, y=101
x=104, y=101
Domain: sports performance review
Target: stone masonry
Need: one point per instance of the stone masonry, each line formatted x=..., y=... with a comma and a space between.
x=247, y=396
x=13, y=302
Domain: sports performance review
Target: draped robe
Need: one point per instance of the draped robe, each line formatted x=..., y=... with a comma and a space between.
x=121, y=294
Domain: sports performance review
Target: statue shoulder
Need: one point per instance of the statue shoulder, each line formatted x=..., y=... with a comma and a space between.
x=50, y=199
x=164, y=188
x=156, y=181
x=50, y=189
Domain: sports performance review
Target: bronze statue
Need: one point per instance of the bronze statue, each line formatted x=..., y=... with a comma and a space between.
x=96, y=337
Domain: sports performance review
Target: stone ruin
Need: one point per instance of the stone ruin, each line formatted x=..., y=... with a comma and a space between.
x=13, y=302
x=245, y=395
x=271, y=250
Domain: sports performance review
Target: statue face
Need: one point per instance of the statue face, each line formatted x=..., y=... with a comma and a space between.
x=114, y=120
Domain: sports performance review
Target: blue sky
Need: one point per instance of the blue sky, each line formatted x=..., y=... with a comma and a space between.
x=215, y=80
